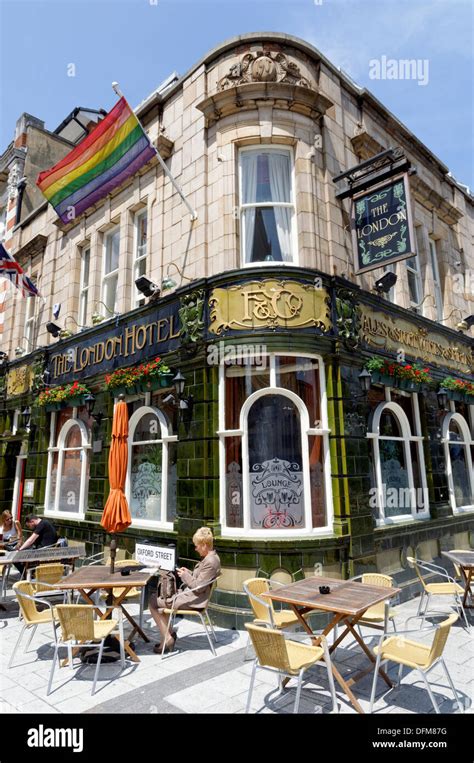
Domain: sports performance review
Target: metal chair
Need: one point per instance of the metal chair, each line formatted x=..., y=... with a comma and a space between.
x=416, y=655
x=450, y=588
x=79, y=630
x=27, y=602
x=263, y=609
x=289, y=658
x=46, y=575
x=201, y=613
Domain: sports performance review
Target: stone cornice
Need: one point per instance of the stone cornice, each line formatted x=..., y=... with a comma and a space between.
x=235, y=100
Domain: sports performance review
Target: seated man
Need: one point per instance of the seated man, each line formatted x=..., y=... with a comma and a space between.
x=44, y=533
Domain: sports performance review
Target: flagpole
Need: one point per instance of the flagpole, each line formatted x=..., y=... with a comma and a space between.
x=177, y=187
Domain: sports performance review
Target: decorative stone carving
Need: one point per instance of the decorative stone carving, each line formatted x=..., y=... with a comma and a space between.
x=348, y=318
x=190, y=315
x=263, y=66
x=13, y=180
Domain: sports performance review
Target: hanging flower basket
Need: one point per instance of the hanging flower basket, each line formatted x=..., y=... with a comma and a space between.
x=55, y=398
x=410, y=377
x=143, y=378
x=458, y=390
x=385, y=379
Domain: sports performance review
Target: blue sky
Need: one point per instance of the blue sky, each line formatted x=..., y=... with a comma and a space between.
x=140, y=42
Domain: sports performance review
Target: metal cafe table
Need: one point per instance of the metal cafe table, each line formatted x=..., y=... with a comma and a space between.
x=465, y=561
x=35, y=556
x=347, y=602
x=93, y=578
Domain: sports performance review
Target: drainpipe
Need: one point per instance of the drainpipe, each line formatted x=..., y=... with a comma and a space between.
x=19, y=199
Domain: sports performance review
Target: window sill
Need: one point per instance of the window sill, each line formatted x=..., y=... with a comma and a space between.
x=64, y=515
x=238, y=533
x=404, y=519
x=151, y=525
x=463, y=510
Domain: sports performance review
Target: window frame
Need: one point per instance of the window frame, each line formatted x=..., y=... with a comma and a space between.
x=438, y=292
x=306, y=431
x=407, y=438
x=29, y=332
x=468, y=443
x=84, y=288
x=58, y=447
x=108, y=235
x=164, y=440
x=138, y=299
x=269, y=148
x=415, y=271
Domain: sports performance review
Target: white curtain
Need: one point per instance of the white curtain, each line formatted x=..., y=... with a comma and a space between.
x=280, y=186
x=249, y=196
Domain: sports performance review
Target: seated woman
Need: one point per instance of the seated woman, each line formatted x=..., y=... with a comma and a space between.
x=12, y=532
x=205, y=571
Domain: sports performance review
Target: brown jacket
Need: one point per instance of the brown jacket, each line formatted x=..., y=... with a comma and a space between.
x=206, y=570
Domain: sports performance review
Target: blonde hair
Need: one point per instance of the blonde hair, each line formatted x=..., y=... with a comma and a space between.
x=204, y=535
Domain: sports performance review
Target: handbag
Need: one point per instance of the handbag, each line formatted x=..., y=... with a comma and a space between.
x=167, y=585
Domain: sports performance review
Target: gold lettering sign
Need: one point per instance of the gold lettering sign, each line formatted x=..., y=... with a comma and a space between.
x=269, y=304
x=389, y=333
x=19, y=380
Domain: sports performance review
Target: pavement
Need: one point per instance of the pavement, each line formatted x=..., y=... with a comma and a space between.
x=192, y=680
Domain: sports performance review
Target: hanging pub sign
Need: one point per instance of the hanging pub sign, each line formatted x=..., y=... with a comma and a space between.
x=382, y=229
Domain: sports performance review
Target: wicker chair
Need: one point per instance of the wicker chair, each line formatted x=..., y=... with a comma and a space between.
x=27, y=602
x=287, y=658
x=79, y=630
x=263, y=609
x=46, y=576
x=203, y=614
x=448, y=588
x=374, y=617
x=416, y=655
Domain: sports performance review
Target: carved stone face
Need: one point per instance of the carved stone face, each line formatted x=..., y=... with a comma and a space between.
x=264, y=69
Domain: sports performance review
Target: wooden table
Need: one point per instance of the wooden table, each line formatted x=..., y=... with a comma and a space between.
x=93, y=578
x=347, y=602
x=465, y=561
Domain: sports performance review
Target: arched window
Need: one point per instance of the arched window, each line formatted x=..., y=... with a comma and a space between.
x=275, y=470
x=68, y=469
x=151, y=475
x=398, y=474
x=459, y=447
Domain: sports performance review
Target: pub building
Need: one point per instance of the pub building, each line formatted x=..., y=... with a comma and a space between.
x=324, y=238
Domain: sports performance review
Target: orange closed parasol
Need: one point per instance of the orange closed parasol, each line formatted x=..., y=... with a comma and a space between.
x=116, y=515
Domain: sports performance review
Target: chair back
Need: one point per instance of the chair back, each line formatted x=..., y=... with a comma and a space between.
x=261, y=608
x=440, y=638
x=126, y=563
x=27, y=606
x=270, y=647
x=77, y=622
x=457, y=568
x=415, y=564
x=49, y=574
x=384, y=581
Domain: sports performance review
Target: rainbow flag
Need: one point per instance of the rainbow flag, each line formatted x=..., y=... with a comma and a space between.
x=115, y=149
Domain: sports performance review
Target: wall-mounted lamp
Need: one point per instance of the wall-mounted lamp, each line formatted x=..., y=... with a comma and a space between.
x=184, y=404
x=385, y=283
x=365, y=380
x=466, y=323
x=3, y=358
x=98, y=317
x=442, y=396
x=19, y=351
x=26, y=413
x=89, y=400
x=147, y=288
x=170, y=283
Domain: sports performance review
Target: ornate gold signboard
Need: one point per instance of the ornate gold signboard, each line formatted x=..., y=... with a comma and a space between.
x=386, y=332
x=269, y=304
x=19, y=380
